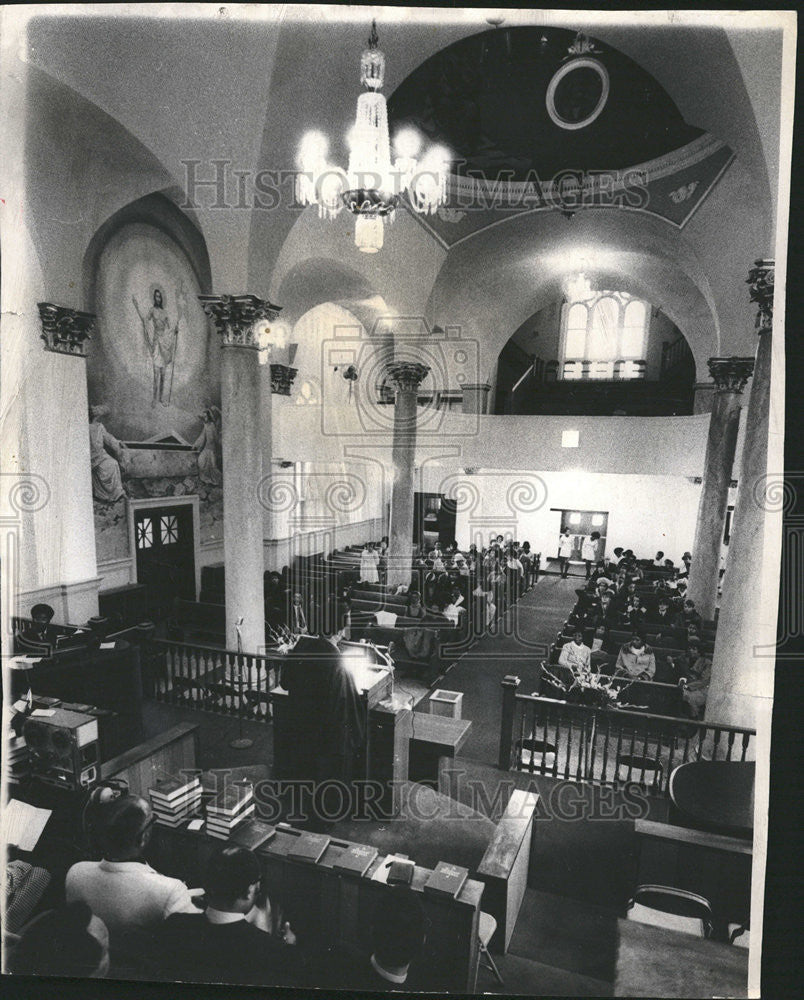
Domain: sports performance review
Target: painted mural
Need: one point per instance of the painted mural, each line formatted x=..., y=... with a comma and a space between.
x=154, y=387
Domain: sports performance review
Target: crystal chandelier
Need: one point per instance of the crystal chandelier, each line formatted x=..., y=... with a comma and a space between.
x=372, y=186
x=578, y=288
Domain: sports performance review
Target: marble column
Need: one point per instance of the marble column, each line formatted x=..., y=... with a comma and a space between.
x=741, y=680
x=237, y=319
x=277, y=380
x=476, y=398
x=730, y=376
x=405, y=377
x=61, y=414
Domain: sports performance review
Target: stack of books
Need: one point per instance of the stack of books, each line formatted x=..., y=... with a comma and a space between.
x=18, y=757
x=229, y=809
x=174, y=800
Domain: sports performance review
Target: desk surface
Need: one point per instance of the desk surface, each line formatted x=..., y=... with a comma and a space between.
x=654, y=962
x=441, y=730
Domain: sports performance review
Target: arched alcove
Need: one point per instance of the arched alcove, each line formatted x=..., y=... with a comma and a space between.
x=153, y=387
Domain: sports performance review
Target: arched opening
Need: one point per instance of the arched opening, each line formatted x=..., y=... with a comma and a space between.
x=610, y=353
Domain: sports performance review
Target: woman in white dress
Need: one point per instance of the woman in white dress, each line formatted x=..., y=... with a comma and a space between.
x=369, y=562
x=565, y=547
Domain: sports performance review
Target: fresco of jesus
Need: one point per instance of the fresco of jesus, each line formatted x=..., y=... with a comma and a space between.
x=160, y=339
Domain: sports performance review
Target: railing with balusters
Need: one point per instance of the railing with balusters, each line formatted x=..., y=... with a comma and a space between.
x=212, y=680
x=607, y=745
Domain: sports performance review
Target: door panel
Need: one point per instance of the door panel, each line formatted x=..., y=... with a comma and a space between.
x=165, y=555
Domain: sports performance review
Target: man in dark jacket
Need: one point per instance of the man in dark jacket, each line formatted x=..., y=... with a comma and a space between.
x=221, y=945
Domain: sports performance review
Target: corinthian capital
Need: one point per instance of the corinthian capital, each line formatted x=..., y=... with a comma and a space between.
x=407, y=376
x=760, y=278
x=236, y=317
x=65, y=331
x=730, y=374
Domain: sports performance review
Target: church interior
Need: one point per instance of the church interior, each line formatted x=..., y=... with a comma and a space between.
x=390, y=401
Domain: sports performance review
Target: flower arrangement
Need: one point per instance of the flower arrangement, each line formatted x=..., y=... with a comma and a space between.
x=586, y=687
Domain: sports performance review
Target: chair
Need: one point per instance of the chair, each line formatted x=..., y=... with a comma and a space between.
x=671, y=908
x=740, y=935
x=636, y=763
x=486, y=927
x=526, y=751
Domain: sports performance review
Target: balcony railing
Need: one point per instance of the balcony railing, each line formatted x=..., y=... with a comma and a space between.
x=608, y=745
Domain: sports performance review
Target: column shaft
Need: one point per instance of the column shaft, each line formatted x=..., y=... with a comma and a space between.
x=406, y=376
x=242, y=514
x=739, y=678
x=400, y=540
x=238, y=319
x=730, y=376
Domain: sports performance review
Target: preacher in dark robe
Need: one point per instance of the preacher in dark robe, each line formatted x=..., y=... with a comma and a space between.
x=325, y=717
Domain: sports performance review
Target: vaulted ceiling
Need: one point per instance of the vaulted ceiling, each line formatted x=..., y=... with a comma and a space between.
x=244, y=88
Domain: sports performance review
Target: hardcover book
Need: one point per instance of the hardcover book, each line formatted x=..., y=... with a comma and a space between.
x=252, y=833
x=309, y=847
x=356, y=860
x=446, y=879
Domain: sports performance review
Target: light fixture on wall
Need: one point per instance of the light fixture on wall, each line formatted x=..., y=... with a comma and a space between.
x=578, y=288
x=372, y=186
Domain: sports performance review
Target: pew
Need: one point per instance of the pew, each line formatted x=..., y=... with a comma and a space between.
x=194, y=621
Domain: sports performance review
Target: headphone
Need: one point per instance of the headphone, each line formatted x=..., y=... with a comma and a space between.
x=103, y=794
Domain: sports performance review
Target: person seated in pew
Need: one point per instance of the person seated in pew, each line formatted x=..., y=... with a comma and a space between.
x=123, y=890
x=396, y=937
x=297, y=618
x=658, y=560
x=637, y=614
x=598, y=656
x=239, y=938
x=688, y=615
x=695, y=682
x=575, y=654
x=484, y=593
x=69, y=941
x=636, y=660
x=663, y=618
x=414, y=608
x=453, y=609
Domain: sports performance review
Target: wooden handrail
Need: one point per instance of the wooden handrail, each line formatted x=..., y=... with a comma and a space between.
x=700, y=723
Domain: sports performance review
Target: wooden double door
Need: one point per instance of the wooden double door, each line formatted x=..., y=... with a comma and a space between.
x=165, y=547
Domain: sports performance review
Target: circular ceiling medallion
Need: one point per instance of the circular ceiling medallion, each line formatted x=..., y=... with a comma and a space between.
x=578, y=93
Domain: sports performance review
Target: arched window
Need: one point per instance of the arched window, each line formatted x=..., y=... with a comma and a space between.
x=604, y=337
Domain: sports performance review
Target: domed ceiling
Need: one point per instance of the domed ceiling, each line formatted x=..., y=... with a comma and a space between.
x=533, y=116
x=489, y=99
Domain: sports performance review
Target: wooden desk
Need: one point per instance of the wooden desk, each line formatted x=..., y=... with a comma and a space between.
x=654, y=962
x=166, y=754
x=434, y=736
x=331, y=910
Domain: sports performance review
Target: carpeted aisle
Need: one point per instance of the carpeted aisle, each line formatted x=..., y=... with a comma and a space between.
x=520, y=643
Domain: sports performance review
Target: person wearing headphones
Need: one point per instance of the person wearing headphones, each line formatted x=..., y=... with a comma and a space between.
x=130, y=897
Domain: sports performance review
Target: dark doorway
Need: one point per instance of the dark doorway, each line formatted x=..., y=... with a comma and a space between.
x=581, y=524
x=163, y=537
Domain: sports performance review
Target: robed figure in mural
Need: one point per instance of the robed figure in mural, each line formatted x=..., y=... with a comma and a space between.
x=161, y=340
x=207, y=445
x=104, y=455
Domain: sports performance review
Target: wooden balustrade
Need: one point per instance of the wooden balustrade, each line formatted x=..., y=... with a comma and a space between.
x=213, y=680
x=607, y=745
